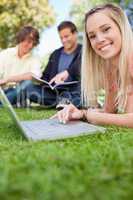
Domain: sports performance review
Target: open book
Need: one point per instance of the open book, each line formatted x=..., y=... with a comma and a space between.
x=53, y=85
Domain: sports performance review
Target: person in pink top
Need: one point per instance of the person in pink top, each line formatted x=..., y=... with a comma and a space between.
x=107, y=63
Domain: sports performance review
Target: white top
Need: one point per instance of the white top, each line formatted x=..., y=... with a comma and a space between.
x=11, y=64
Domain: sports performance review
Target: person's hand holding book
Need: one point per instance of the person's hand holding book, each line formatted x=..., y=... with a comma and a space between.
x=59, y=78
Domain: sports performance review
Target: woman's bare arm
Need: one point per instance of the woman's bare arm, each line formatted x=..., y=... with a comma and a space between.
x=110, y=119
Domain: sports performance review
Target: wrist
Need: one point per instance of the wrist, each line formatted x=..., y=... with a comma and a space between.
x=84, y=115
x=66, y=74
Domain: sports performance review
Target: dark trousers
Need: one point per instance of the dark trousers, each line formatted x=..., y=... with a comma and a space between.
x=26, y=91
x=45, y=96
x=14, y=94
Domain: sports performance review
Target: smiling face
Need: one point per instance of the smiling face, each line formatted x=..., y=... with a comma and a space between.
x=104, y=35
x=68, y=39
x=25, y=46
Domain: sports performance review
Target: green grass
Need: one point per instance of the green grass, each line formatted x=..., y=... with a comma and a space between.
x=92, y=167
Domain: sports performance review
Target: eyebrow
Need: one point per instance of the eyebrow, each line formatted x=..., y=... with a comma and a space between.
x=102, y=26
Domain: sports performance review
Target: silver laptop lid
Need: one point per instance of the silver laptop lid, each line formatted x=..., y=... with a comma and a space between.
x=7, y=105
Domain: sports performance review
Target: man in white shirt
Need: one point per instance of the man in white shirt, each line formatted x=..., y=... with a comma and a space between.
x=18, y=64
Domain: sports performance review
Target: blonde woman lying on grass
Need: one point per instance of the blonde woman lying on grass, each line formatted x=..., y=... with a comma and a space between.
x=107, y=62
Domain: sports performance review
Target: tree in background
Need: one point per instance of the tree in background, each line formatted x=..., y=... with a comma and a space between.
x=17, y=13
x=80, y=7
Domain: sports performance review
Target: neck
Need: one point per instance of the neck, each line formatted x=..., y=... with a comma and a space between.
x=115, y=61
x=20, y=52
x=71, y=50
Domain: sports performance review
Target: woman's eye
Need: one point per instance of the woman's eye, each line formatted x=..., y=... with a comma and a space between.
x=92, y=36
x=106, y=29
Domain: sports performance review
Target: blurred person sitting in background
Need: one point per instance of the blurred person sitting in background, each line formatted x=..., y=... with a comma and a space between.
x=18, y=64
x=107, y=63
x=63, y=66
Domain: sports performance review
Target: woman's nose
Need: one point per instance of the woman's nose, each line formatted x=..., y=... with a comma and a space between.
x=100, y=38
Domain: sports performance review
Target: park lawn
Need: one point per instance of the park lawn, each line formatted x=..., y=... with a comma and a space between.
x=91, y=167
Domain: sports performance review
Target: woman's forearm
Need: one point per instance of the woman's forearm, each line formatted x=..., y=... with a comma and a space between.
x=110, y=119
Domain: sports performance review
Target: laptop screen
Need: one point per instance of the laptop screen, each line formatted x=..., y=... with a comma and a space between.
x=7, y=105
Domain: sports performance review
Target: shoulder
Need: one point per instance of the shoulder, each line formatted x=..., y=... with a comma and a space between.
x=56, y=51
x=8, y=51
x=79, y=46
x=78, y=51
x=34, y=59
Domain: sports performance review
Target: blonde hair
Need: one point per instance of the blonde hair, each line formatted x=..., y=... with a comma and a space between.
x=93, y=70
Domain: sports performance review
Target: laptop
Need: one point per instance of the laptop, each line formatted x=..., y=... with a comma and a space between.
x=48, y=129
